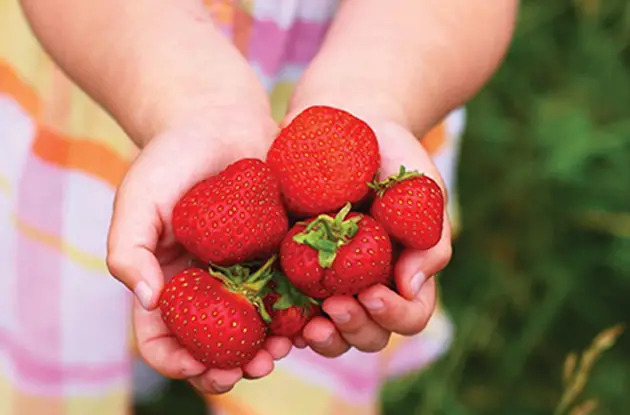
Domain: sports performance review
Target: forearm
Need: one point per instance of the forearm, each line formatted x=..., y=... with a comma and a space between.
x=409, y=60
x=149, y=63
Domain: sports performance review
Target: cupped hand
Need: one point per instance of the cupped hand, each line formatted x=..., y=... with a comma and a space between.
x=142, y=251
x=368, y=321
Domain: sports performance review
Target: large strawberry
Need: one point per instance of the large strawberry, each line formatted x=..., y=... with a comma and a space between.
x=288, y=308
x=330, y=255
x=324, y=158
x=232, y=217
x=410, y=206
x=218, y=315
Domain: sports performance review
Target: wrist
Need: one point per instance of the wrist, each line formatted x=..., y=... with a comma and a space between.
x=222, y=134
x=212, y=107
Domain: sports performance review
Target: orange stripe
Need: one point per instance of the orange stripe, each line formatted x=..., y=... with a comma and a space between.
x=222, y=11
x=34, y=404
x=13, y=86
x=87, y=156
x=228, y=405
x=435, y=138
x=243, y=23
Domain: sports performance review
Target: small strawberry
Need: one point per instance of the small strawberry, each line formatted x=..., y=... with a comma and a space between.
x=323, y=159
x=410, y=206
x=232, y=217
x=341, y=255
x=288, y=308
x=216, y=314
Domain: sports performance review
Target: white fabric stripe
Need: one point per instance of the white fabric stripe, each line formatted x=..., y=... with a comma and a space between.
x=95, y=312
x=285, y=12
x=87, y=211
x=282, y=12
x=17, y=132
x=16, y=135
x=69, y=390
x=8, y=270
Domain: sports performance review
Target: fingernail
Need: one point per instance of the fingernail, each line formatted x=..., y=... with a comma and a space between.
x=144, y=294
x=220, y=388
x=416, y=283
x=340, y=318
x=327, y=341
x=374, y=304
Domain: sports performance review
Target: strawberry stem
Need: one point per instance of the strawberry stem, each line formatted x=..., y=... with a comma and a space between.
x=240, y=280
x=327, y=235
x=289, y=294
x=260, y=305
x=381, y=186
x=259, y=279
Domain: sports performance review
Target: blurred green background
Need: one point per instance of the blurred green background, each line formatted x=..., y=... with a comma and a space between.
x=543, y=261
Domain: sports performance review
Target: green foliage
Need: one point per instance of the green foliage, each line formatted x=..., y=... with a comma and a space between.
x=543, y=262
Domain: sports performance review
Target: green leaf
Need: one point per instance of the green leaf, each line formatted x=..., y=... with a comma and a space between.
x=289, y=294
x=323, y=245
x=283, y=302
x=326, y=258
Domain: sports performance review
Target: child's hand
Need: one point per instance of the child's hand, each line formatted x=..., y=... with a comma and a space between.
x=368, y=323
x=142, y=251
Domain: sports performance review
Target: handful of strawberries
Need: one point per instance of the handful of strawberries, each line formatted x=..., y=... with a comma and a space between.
x=306, y=205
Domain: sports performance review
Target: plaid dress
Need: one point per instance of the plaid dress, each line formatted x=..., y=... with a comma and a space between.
x=65, y=343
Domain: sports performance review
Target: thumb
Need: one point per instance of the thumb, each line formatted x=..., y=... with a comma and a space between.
x=415, y=267
x=133, y=237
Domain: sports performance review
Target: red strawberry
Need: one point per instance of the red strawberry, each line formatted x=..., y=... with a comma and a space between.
x=336, y=255
x=410, y=206
x=288, y=308
x=232, y=217
x=323, y=159
x=215, y=315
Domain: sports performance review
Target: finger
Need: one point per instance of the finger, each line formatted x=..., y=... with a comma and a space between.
x=278, y=347
x=415, y=266
x=299, y=342
x=159, y=348
x=216, y=381
x=354, y=324
x=131, y=244
x=321, y=334
x=396, y=314
x=261, y=365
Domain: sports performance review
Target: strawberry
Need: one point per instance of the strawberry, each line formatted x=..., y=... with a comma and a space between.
x=288, y=308
x=324, y=158
x=216, y=314
x=330, y=255
x=410, y=206
x=232, y=217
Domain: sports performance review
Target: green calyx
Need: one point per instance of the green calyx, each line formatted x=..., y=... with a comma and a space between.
x=289, y=296
x=240, y=279
x=381, y=186
x=327, y=235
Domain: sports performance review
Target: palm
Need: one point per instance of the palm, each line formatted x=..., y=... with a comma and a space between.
x=367, y=321
x=166, y=168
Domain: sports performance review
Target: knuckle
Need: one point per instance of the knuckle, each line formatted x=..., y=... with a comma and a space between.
x=334, y=351
x=353, y=327
x=375, y=344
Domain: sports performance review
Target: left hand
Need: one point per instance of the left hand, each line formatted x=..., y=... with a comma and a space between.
x=367, y=323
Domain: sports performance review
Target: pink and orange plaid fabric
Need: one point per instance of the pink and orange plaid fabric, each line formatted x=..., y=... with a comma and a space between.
x=64, y=322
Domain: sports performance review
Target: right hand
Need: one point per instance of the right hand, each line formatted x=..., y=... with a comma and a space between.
x=142, y=251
